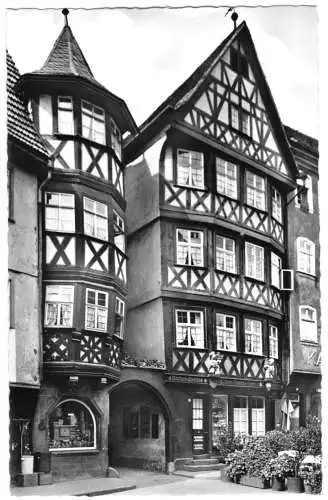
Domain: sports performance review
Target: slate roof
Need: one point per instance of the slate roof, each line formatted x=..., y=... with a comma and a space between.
x=19, y=123
x=300, y=140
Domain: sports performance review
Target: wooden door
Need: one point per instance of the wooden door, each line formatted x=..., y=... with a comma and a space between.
x=199, y=425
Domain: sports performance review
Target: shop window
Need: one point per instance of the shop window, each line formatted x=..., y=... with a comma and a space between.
x=119, y=236
x=59, y=306
x=253, y=336
x=225, y=332
x=93, y=122
x=119, y=317
x=275, y=270
x=226, y=178
x=225, y=254
x=255, y=191
x=72, y=426
x=140, y=423
x=60, y=212
x=276, y=205
x=95, y=219
x=258, y=416
x=240, y=415
x=308, y=324
x=190, y=168
x=96, y=310
x=273, y=342
x=189, y=329
x=190, y=247
x=305, y=256
x=65, y=115
x=116, y=139
x=254, y=261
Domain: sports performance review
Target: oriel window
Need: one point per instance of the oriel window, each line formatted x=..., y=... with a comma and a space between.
x=255, y=191
x=189, y=247
x=190, y=168
x=254, y=261
x=95, y=219
x=189, y=328
x=275, y=270
x=226, y=332
x=276, y=205
x=93, y=122
x=59, y=306
x=225, y=254
x=226, y=178
x=273, y=342
x=65, y=115
x=96, y=310
x=253, y=336
x=60, y=212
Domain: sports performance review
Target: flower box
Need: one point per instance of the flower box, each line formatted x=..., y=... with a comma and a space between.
x=254, y=482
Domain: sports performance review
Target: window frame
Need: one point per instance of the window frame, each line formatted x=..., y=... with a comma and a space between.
x=189, y=246
x=47, y=302
x=188, y=326
x=226, y=178
x=307, y=337
x=311, y=256
x=276, y=207
x=119, y=311
x=64, y=110
x=255, y=190
x=273, y=267
x=115, y=138
x=255, y=414
x=136, y=411
x=253, y=334
x=189, y=184
x=226, y=253
x=60, y=207
x=247, y=264
x=93, y=133
x=95, y=215
x=119, y=230
x=226, y=330
x=96, y=307
x=273, y=339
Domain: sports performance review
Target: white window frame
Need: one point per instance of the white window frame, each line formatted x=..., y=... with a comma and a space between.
x=45, y=115
x=96, y=215
x=190, y=181
x=240, y=417
x=226, y=332
x=308, y=326
x=188, y=326
x=60, y=208
x=189, y=246
x=305, y=260
x=309, y=193
x=65, y=115
x=276, y=203
x=258, y=418
x=273, y=342
x=255, y=196
x=60, y=302
x=225, y=254
x=276, y=266
x=119, y=231
x=95, y=115
x=119, y=312
x=96, y=308
x=253, y=333
x=251, y=268
x=226, y=182
x=116, y=139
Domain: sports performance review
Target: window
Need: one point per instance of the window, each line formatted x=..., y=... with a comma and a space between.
x=60, y=212
x=225, y=332
x=65, y=115
x=253, y=336
x=308, y=324
x=226, y=178
x=258, y=416
x=245, y=122
x=254, y=260
x=235, y=117
x=275, y=270
x=116, y=139
x=240, y=415
x=119, y=317
x=240, y=119
x=95, y=219
x=96, y=309
x=190, y=168
x=273, y=342
x=189, y=247
x=140, y=423
x=304, y=197
x=238, y=62
x=276, y=205
x=305, y=256
x=45, y=115
x=59, y=306
x=255, y=191
x=93, y=122
x=119, y=236
x=189, y=328
x=72, y=426
x=225, y=254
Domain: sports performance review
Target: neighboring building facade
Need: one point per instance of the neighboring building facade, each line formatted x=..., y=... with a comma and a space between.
x=83, y=257
x=210, y=176
x=27, y=168
x=304, y=257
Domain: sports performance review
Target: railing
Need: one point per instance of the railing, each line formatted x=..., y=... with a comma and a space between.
x=197, y=361
x=82, y=347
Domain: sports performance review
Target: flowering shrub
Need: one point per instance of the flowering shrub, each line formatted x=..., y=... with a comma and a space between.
x=277, y=440
x=311, y=473
x=236, y=465
x=250, y=459
x=278, y=468
x=307, y=439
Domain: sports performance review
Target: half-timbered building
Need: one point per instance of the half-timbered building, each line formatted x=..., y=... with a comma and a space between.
x=210, y=174
x=83, y=256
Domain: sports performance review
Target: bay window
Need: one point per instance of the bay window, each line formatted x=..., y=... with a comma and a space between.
x=226, y=178
x=96, y=310
x=65, y=115
x=189, y=328
x=59, y=306
x=308, y=324
x=273, y=342
x=255, y=191
x=95, y=219
x=276, y=205
x=275, y=270
x=254, y=261
x=305, y=256
x=190, y=168
x=253, y=336
x=190, y=247
x=225, y=332
x=93, y=122
x=60, y=212
x=225, y=254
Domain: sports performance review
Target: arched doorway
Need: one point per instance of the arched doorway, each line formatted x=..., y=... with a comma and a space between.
x=139, y=434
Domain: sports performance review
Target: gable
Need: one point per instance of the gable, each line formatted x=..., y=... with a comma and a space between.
x=231, y=101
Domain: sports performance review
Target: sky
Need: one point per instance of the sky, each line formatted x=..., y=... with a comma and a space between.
x=143, y=55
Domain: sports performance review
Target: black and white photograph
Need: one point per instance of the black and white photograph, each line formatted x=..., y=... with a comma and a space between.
x=162, y=197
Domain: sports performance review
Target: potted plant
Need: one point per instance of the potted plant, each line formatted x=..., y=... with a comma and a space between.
x=236, y=466
x=310, y=472
x=293, y=460
x=276, y=470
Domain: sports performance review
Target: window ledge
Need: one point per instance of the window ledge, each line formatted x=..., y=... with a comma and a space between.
x=194, y=188
x=229, y=273
x=313, y=343
x=187, y=266
x=307, y=275
x=263, y=211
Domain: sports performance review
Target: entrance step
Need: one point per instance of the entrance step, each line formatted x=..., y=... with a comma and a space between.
x=204, y=461
x=202, y=465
